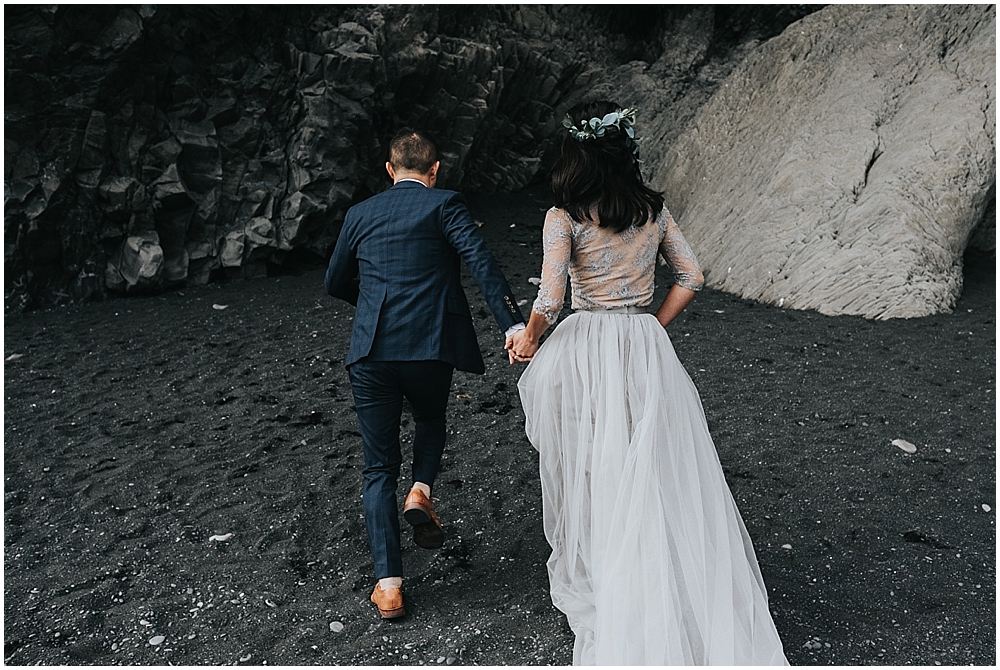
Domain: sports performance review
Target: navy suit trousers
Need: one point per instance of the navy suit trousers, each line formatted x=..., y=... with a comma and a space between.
x=379, y=388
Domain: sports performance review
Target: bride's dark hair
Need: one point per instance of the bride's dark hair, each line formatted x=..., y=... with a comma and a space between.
x=602, y=171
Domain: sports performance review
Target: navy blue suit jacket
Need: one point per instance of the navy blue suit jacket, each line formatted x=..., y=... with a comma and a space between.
x=398, y=261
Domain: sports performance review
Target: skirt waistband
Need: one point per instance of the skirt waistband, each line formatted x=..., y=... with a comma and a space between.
x=629, y=309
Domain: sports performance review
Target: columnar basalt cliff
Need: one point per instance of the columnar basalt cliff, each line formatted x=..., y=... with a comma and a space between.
x=149, y=147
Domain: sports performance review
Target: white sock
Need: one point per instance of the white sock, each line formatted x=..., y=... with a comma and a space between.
x=423, y=487
x=390, y=583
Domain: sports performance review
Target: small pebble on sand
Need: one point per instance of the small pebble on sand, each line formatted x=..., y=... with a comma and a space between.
x=908, y=447
x=786, y=546
x=336, y=626
x=218, y=306
x=157, y=639
x=220, y=538
x=986, y=508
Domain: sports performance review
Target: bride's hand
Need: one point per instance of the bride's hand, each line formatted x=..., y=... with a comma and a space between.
x=512, y=354
x=522, y=348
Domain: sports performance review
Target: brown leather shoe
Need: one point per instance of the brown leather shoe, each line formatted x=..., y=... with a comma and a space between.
x=389, y=602
x=419, y=513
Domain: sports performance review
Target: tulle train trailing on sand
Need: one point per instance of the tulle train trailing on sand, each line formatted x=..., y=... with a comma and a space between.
x=651, y=562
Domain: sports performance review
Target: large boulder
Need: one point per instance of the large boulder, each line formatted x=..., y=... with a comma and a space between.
x=843, y=165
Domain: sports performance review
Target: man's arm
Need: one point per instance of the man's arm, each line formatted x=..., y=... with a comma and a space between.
x=341, y=279
x=463, y=234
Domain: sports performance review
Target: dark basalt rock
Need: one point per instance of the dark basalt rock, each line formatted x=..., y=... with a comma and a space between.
x=149, y=147
x=162, y=146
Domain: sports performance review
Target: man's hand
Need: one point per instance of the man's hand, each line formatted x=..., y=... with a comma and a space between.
x=509, y=347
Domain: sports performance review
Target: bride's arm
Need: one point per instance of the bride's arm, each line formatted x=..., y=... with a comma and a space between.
x=557, y=246
x=688, y=277
x=677, y=299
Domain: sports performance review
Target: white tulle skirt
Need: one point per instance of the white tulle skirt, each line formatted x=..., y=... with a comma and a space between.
x=651, y=562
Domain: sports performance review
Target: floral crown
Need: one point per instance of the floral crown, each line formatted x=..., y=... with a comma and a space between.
x=623, y=119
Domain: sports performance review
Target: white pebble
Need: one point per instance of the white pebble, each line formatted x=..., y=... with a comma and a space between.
x=786, y=546
x=220, y=538
x=218, y=306
x=535, y=280
x=244, y=659
x=986, y=508
x=908, y=447
x=440, y=659
x=157, y=639
x=336, y=626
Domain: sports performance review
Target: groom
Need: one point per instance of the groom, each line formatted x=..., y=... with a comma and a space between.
x=397, y=261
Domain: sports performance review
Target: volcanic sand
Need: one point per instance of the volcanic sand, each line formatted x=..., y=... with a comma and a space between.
x=185, y=469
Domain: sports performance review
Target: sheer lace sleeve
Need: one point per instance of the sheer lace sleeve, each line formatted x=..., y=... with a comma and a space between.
x=557, y=247
x=678, y=252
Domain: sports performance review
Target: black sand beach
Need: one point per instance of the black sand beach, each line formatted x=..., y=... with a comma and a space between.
x=136, y=430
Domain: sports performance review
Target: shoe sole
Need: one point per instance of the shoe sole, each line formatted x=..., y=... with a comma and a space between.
x=391, y=614
x=426, y=533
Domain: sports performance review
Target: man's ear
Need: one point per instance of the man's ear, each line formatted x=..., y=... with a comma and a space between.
x=433, y=174
x=392, y=173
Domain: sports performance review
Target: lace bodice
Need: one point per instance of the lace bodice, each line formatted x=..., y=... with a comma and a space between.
x=609, y=269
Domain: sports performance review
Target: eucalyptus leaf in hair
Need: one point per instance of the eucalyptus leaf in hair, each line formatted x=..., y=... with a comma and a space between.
x=622, y=119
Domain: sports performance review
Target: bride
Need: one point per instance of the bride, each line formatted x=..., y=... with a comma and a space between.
x=651, y=562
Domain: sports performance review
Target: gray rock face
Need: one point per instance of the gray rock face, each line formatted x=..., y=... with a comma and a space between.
x=844, y=165
x=164, y=146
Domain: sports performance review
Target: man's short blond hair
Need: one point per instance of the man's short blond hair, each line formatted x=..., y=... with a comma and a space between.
x=412, y=151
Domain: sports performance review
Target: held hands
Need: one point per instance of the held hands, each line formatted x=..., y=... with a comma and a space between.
x=520, y=348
